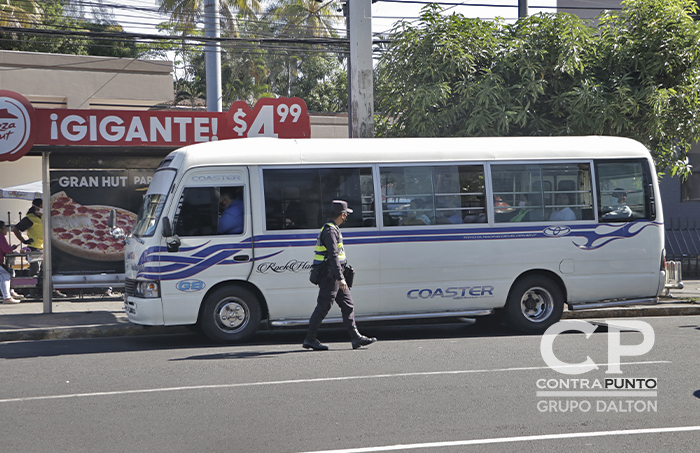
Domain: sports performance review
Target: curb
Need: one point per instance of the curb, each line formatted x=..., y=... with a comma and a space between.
x=127, y=329
x=93, y=331
x=638, y=311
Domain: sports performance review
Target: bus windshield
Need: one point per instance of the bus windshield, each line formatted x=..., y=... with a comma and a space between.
x=153, y=203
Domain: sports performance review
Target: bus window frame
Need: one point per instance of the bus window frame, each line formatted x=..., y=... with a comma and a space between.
x=263, y=205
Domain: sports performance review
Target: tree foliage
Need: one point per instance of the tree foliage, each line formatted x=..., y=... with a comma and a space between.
x=250, y=70
x=58, y=15
x=636, y=74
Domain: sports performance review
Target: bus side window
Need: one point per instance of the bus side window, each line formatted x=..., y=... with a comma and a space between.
x=541, y=192
x=301, y=198
x=623, y=189
x=198, y=212
x=436, y=195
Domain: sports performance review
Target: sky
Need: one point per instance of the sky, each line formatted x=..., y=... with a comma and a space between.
x=140, y=16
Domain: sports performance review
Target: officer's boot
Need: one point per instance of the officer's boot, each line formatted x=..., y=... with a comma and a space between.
x=311, y=342
x=359, y=340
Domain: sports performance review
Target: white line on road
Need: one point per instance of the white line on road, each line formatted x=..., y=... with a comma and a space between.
x=499, y=440
x=298, y=381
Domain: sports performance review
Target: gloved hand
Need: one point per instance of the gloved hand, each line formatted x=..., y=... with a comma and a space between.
x=28, y=241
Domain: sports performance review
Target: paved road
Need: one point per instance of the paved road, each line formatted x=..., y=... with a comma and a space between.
x=444, y=388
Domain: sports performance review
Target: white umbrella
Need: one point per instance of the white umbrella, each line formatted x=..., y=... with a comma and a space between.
x=28, y=191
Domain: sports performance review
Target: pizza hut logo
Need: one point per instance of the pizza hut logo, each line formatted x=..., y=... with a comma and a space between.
x=18, y=126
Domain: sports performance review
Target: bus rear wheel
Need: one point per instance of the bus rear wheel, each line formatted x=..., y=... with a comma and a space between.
x=230, y=315
x=534, y=303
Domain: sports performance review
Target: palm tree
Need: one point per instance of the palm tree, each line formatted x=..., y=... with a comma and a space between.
x=189, y=13
x=19, y=13
x=301, y=18
x=308, y=18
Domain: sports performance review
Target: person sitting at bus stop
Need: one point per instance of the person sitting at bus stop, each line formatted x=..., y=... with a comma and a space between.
x=231, y=201
x=332, y=286
x=564, y=213
x=34, y=227
x=5, y=271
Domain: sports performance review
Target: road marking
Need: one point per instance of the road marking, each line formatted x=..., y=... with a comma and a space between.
x=500, y=440
x=299, y=381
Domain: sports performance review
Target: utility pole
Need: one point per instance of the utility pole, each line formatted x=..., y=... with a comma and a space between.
x=212, y=55
x=522, y=9
x=360, y=69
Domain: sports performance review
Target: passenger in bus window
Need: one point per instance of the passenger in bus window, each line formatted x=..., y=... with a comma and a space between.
x=618, y=208
x=565, y=212
x=332, y=285
x=416, y=214
x=449, y=214
x=231, y=202
x=523, y=214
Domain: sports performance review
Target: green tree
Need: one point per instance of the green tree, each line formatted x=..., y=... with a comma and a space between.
x=189, y=14
x=55, y=17
x=299, y=19
x=637, y=74
x=323, y=84
x=19, y=13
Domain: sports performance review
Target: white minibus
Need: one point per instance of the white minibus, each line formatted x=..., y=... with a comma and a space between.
x=442, y=228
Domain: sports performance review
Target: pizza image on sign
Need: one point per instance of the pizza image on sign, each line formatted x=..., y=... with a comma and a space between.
x=83, y=231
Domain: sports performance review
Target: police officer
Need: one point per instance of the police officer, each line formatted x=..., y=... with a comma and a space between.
x=33, y=226
x=333, y=287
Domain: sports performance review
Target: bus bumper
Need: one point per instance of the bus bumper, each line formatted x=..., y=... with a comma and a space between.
x=148, y=312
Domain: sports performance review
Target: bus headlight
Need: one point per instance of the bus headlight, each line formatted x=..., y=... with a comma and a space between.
x=147, y=289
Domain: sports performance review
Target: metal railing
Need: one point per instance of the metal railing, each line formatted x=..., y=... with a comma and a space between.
x=683, y=244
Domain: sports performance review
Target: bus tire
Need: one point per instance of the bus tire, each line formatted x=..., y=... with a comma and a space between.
x=534, y=303
x=230, y=314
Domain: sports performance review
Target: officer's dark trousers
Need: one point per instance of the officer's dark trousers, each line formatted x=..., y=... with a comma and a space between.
x=329, y=291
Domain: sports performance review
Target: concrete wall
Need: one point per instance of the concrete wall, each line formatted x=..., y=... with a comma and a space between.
x=85, y=82
x=329, y=125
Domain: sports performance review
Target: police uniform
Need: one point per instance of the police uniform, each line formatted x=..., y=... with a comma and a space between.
x=329, y=246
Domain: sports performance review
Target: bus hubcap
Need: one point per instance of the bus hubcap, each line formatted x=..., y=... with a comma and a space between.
x=231, y=315
x=537, y=304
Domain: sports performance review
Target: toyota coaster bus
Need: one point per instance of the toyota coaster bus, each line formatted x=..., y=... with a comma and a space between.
x=442, y=228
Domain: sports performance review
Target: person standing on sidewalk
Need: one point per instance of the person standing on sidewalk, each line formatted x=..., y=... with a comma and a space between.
x=332, y=286
x=33, y=225
x=5, y=272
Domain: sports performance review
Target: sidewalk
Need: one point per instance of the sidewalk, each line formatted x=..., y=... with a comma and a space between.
x=104, y=316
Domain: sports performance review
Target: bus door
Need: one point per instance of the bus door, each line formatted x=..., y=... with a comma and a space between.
x=212, y=218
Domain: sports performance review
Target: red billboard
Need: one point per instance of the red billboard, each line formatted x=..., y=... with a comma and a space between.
x=22, y=126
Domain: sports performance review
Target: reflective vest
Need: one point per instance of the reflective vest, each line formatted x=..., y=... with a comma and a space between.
x=321, y=252
x=36, y=231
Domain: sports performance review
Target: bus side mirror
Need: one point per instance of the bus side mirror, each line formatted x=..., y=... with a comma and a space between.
x=117, y=233
x=172, y=241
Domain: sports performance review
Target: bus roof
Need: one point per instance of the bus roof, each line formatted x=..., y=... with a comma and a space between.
x=271, y=151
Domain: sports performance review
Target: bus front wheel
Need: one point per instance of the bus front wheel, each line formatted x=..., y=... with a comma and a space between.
x=230, y=315
x=534, y=303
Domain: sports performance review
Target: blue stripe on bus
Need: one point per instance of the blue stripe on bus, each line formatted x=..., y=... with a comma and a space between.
x=181, y=267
